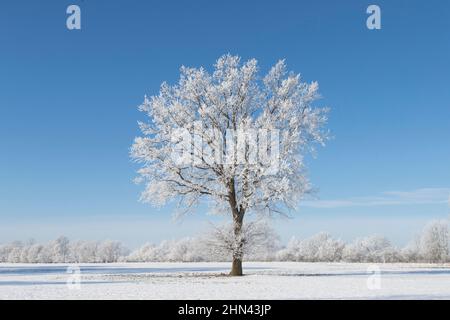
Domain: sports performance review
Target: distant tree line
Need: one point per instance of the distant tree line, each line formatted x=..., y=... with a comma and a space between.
x=62, y=250
x=260, y=244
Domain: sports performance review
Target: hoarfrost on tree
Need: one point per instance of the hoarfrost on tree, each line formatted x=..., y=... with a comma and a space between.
x=231, y=99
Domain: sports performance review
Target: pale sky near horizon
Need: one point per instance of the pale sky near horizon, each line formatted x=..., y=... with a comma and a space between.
x=68, y=110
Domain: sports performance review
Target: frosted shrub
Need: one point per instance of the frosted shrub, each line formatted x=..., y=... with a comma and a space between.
x=411, y=252
x=329, y=249
x=186, y=250
x=288, y=253
x=320, y=247
x=111, y=251
x=257, y=241
x=370, y=249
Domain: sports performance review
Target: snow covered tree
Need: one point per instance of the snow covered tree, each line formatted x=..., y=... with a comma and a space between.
x=60, y=249
x=111, y=251
x=328, y=249
x=85, y=251
x=232, y=137
x=411, y=252
x=434, y=241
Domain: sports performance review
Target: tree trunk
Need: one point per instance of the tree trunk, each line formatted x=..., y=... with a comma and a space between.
x=238, y=217
x=236, y=267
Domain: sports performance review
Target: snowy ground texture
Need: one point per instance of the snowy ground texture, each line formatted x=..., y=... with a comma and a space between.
x=263, y=280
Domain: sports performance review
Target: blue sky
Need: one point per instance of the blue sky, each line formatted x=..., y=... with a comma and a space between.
x=68, y=110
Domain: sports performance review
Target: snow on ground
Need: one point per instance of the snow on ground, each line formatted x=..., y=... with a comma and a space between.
x=263, y=280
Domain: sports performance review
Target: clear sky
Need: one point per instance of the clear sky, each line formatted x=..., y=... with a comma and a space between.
x=68, y=110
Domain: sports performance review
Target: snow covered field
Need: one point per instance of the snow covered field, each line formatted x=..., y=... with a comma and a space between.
x=263, y=280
